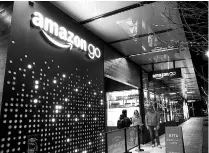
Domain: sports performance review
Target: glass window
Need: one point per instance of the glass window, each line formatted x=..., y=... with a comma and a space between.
x=119, y=100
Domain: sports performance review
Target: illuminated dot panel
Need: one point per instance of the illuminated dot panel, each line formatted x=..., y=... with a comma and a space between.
x=51, y=110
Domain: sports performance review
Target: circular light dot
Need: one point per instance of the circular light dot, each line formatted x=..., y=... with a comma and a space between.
x=66, y=99
x=56, y=111
x=101, y=91
x=36, y=86
x=68, y=140
x=54, y=81
x=76, y=90
x=68, y=115
x=29, y=66
x=76, y=119
x=53, y=119
x=64, y=76
x=90, y=143
x=83, y=115
x=76, y=150
x=58, y=107
x=35, y=100
x=89, y=105
x=36, y=82
x=89, y=82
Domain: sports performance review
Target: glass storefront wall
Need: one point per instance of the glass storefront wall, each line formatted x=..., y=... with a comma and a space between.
x=119, y=100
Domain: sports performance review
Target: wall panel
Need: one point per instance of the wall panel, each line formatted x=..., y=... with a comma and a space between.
x=120, y=68
x=52, y=97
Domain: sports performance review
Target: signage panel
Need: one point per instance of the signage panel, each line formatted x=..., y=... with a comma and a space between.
x=116, y=142
x=132, y=137
x=50, y=28
x=165, y=74
x=174, y=140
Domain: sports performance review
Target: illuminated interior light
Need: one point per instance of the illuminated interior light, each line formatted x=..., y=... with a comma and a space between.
x=68, y=140
x=172, y=93
x=95, y=93
x=29, y=66
x=144, y=48
x=66, y=99
x=207, y=53
x=83, y=115
x=90, y=143
x=76, y=90
x=76, y=119
x=36, y=82
x=76, y=150
x=54, y=81
x=84, y=151
x=89, y=105
x=53, y=119
x=56, y=111
x=89, y=82
x=190, y=92
x=69, y=45
x=100, y=134
x=35, y=100
x=101, y=91
x=95, y=118
x=68, y=115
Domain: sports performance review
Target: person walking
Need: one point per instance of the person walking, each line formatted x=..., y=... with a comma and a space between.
x=137, y=120
x=152, y=120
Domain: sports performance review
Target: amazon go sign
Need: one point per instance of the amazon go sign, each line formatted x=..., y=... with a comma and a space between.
x=50, y=28
x=165, y=74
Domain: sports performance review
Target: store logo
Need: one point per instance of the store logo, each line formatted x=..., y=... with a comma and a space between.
x=162, y=75
x=50, y=28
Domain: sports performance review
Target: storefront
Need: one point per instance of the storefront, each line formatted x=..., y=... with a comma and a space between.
x=55, y=97
x=53, y=94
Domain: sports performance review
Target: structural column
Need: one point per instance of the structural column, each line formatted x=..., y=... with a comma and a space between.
x=141, y=97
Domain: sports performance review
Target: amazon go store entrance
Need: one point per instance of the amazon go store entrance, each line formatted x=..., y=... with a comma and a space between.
x=119, y=96
x=52, y=99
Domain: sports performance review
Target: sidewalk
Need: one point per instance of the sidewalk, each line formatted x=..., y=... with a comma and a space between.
x=205, y=135
x=192, y=134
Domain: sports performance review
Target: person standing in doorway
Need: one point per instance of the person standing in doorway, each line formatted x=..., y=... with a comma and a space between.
x=152, y=120
x=137, y=120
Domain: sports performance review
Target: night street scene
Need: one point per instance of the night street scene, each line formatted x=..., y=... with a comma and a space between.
x=92, y=76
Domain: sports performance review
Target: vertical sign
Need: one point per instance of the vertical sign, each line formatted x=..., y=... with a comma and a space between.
x=32, y=143
x=174, y=140
x=132, y=137
x=116, y=142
